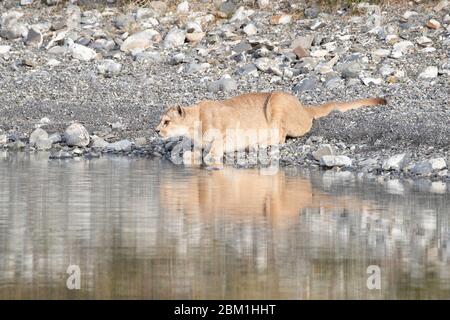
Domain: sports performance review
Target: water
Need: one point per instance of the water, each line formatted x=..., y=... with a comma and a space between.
x=142, y=228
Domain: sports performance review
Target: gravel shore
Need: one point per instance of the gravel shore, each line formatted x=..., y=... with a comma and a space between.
x=64, y=64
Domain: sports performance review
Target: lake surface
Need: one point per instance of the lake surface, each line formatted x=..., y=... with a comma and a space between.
x=140, y=228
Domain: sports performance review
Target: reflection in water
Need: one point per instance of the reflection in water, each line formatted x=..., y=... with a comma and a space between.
x=145, y=229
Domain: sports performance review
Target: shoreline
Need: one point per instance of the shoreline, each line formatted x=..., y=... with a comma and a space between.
x=72, y=64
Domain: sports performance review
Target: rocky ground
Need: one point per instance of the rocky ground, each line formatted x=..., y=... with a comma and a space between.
x=83, y=80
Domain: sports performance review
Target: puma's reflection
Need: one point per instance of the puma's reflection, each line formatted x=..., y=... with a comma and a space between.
x=244, y=194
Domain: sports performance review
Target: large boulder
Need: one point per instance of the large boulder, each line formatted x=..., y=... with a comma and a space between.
x=76, y=135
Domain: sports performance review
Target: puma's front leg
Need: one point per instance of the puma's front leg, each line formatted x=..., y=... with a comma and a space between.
x=215, y=156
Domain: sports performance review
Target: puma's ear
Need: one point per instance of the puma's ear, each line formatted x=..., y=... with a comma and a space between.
x=181, y=111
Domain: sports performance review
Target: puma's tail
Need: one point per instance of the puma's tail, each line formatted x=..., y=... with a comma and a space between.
x=323, y=110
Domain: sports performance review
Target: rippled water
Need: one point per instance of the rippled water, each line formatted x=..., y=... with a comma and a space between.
x=142, y=228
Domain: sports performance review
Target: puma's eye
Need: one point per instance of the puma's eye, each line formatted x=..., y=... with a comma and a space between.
x=166, y=123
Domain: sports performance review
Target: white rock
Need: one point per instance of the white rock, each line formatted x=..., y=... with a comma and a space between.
x=395, y=162
x=424, y=41
x=263, y=4
x=381, y=52
x=140, y=40
x=401, y=48
x=438, y=163
x=429, y=73
x=250, y=29
x=335, y=161
x=174, y=38
x=98, y=143
x=37, y=134
x=183, y=7
x=76, y=135
x=82, y=53
x=109, y=68
x=4, y=49
x=122, y=145
x=369, y=80
x=409, y=14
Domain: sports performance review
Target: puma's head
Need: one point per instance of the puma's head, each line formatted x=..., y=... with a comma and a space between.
x=175, y=122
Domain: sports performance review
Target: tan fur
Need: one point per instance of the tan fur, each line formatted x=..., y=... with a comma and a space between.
x=253, y=111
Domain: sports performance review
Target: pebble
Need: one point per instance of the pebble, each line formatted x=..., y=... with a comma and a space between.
x=433, y=24
x=109, y=68
x=82, y=53
x=429, y=73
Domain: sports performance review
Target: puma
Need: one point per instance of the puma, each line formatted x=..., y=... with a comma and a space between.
x=221, y=125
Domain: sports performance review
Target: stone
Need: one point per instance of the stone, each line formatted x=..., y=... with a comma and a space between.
x=82, y=53
x=433, y=24
x=306, y=84
x=300, y=52
x=3, y=139
x=16, y=145
x=443, y=4
x=333, y=82
x=317, y=25
x=396, y=162
x=109, y=68
x=122, y=145
x=139, y=142
x=324, y=150
x=226, y=9
x=438, y=163
x=37, y=134
x=263, y=4
x=350, y=69
x=43, y=144
x=4, y=49
x=381, y=53
x=55, y=138
x=242, y=46
x=386, y=70
x=124, y=21
x=224, y=84
x=11, y=27
x=76, y=135
x=335, y=161
x=281, y=19
x=429, y=73
x=250, y=29
x=422, y=168
x=98, y=143
x=26, y=2
x=183, y=7
x=305, y=42
x=401, y=48
x=249, y=69
x=263, y=64
x=424, y=41
x=194, y=36
x=174, y=38
x=34, y=38
x=140, y=40
x=408, y=14
x=371, y=80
